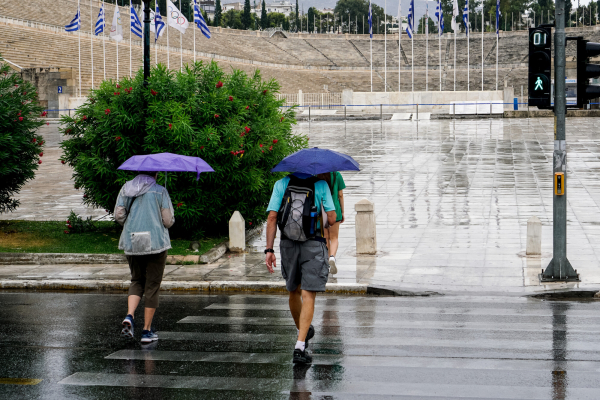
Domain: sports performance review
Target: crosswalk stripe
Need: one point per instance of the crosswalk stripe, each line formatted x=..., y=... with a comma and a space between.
x=320, y=387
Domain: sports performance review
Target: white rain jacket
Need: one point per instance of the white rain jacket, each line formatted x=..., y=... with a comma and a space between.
x=145, y=210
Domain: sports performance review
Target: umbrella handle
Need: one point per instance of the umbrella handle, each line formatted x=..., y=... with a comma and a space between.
x=165, y=179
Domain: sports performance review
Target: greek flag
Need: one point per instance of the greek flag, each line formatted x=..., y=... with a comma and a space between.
x=136, y=26
x=497, y=16
x=199, y=20
x=439, y=13
x=159, y=25
x=411, y=18
x=100, y=22
x=370, y=19
x=466, y=17
x=75, y=24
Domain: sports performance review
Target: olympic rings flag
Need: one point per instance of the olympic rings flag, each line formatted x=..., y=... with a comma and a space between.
x=176, y=19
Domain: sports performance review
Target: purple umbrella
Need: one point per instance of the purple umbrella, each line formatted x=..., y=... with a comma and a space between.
x=167, y=162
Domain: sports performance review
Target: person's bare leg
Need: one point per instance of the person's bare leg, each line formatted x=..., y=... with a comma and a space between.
x=148, y=316
x=334, y=232
x=296, y=305
x=306, y=315
x=327, y=243
x=132, y=303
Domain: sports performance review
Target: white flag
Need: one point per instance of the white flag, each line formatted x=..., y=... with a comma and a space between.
x=176, y=19
x=455, y=13
x=116, y=30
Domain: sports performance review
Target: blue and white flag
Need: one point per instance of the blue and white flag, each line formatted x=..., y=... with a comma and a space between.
x=439, y=13
x=75, y=24
x=200, y=22
x=411, y=18
x=136, y=26
x=370, y=19
x=497, y=16
x=159, y=25
x=100, y=24
x=466, y=17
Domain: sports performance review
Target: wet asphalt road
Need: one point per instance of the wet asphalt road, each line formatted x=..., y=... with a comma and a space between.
x=240, y=346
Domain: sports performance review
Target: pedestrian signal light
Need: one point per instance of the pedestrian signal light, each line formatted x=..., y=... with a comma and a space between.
x=540, y=67
x=586, y=71
x=559, y=183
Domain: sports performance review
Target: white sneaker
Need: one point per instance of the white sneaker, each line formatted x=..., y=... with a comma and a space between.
x=332, y=266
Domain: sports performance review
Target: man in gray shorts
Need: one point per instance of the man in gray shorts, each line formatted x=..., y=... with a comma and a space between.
x=304, y=264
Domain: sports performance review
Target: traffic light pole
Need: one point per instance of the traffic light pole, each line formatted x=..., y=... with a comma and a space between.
x=559, y=268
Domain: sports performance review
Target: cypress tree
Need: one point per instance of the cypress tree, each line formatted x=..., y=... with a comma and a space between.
x=298, y=17
x=246, y=18
x=263, y=16
x=218, y=11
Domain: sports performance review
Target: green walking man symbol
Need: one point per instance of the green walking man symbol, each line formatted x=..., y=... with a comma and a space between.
x=538, y=84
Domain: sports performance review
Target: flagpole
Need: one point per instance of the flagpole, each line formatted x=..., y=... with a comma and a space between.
x=497, y=34
x=104, y=39
x=180, y=45
x=370, y=40
x=412, y=48
x=385, y=45
x=455, y=61
x=130, y=37
x=92, y=40
x=468, y=54
x=427, y=48
x=168, y=48
x=399, y=43
x=440, y=40
x=482, y=28
x=79, y=12
x=194, y=19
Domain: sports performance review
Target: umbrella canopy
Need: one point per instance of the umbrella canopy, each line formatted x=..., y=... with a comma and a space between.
x=316, y=161
x=166, y=162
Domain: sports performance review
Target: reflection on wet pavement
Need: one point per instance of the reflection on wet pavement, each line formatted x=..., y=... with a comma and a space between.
x=240, y=347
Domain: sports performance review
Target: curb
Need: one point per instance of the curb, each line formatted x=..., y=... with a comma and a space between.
x=176, y=286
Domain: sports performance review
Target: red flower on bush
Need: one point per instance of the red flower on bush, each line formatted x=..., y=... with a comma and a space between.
x=242, y=134
x=117, y=93
x=281, y=119
x=66, y=232
x=216, y=115
x=44, y=114
x=118, y=86
x=47, y=123
x=19, y=113
x=179, y=205
x=153, y=92
x=265, y=91
x=16, y=85
x=62, y=161
x=68, y=222
x=247, y=107
x=40, y=161
x=275, y=140
x=260, y=145
x=41, y=143
x=69, y=226
x=118, y=138
x=84, y=117
x=170, y=126
x=85, y=196
x=247, y=129
x=34, y=140
x=219, y=84
x=270, y=148
x=20, y=119
x=250, y=223
x=41, y=154
x=201, y=147
x=230, y=98
x=107, y=111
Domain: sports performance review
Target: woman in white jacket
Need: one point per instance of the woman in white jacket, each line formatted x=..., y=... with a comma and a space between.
x=145, y=210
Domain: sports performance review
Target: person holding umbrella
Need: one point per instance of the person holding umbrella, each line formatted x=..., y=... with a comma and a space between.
x=145, y=211
x=300, y=206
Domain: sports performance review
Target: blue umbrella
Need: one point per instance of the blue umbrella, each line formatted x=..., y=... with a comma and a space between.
x=316, y=161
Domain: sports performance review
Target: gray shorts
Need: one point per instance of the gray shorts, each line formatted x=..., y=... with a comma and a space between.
x=304, y=263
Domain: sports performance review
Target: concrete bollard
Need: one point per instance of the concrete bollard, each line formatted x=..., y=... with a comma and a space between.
x=237, y=233
x=534, y=237
x=365, y=227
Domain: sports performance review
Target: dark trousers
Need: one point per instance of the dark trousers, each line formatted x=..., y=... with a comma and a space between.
x=146, y=276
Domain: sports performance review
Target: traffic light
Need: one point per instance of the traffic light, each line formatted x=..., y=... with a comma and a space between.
x=585, y=71
x=540, y=67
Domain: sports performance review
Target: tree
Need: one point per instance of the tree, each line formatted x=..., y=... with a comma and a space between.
x=276, y=20
x=297, y=18
x=264, y=22
x=218, y=12
x=311, y=18
x=421, y=26
x=246, y=17
x=356, y=9
x=232, y=19
x=233, y=122
x=286, y=24
x=21, y=149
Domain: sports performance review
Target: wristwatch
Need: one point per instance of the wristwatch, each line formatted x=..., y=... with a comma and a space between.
x=269, y=251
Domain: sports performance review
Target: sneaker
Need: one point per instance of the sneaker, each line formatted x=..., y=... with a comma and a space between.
x=128, y=324
x=149, y=336
x=332, y=266
x=309, y=335
x=302, y=357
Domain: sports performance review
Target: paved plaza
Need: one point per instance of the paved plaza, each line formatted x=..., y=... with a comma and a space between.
x=452, y=199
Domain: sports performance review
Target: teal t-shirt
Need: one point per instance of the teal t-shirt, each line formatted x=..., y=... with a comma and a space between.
x=322, y=195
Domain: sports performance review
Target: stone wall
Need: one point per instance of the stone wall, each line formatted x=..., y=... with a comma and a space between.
x=47, y=81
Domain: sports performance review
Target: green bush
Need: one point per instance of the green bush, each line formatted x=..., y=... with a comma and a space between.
x=76, y=224
x=21, y=148
x=233, y=122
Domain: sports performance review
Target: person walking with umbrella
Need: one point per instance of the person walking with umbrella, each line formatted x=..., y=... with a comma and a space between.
x=145, y=211
x=300, y=206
